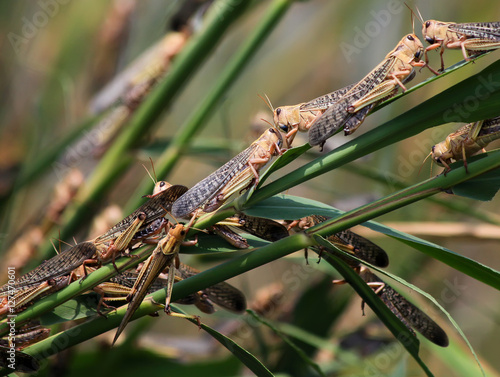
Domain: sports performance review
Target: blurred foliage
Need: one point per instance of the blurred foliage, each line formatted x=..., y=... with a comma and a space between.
x=54, y=59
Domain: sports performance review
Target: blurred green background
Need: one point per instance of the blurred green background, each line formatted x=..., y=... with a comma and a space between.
x=55, y=58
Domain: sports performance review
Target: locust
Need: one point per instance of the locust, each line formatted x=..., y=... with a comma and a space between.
x=349, y=242
x=233, y=177
x=18, y=361
x=10, y=355
x=409, y=314
x=138, y=224
x=27, y=295
x=26, y=335
x=59, y=265
x=298, y=118
x=381, y=83
x=473, y=38
x=166, y=254
x=465, y=142
x=265, y=229
x=56, y=272
x=222, y=294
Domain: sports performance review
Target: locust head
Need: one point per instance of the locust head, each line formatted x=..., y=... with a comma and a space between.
x=161, y=186
x=435, y=31
x=441, y=153
x=274, y=136
x=412, y=47
x=286, y=117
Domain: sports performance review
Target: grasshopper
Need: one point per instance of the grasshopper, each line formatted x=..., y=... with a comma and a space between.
x=473, y=38
x=166, y=254
x=233, y=177
x=381, y=83
x=221, y=229
x=230, y=236
x=10, y=355
x=26, y=335
x=27, y=295
x=292, y=119
x=465, y=142
x=18, y=361
x=121, y=285
x=266, y=229
x=406, y=312
x=60, y=265
x=120, y=236
x=349, y=242
x=222, y=294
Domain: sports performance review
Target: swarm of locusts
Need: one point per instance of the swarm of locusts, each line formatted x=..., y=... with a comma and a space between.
x=159, y=221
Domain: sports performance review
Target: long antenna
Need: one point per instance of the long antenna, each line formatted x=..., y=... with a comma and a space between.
x=413, y=16
x=267, y=101
x=147, y=171
x=421, y=166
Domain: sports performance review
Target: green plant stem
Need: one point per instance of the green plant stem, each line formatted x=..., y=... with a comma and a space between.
x=202, y=280
x=422, y=190
x=105, y=174
x=241, y=264
x=78, y=287
x=205, y=110
x=453, y=205
x=398, y=329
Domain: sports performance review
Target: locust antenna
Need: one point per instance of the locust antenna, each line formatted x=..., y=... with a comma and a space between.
x=420, y=16
x=154, y=179
x=267, y=101
x=421, y=166
x=412, y=17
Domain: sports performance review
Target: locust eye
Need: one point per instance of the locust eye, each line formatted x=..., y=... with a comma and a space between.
x=183, y=232
x=278, y=111
x=284, y=127
x=410, y=37
x=427, y=24
x=162, y=183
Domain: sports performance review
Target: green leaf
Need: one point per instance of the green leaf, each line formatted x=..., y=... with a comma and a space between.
x=242, y=354
x=283, y=160
x=209, y=244
x=299, y=351
x=399, y=330
x=132, y=361
x=287, y=205
x=79, y=307
x=482, y=188
x=290, y=207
